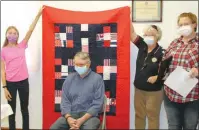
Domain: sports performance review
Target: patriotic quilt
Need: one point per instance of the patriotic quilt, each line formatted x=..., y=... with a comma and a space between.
x=105, y=36
x=100, y=41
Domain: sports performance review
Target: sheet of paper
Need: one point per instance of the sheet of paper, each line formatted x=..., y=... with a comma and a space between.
x=180, y=81
x=6, y=110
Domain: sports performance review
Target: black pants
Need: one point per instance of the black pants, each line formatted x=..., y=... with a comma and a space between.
x=23, y=89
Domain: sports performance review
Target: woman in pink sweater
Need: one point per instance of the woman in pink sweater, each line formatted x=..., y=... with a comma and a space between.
x=14, y=72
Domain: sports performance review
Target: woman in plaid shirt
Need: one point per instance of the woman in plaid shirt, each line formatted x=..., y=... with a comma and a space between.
x=183, y=112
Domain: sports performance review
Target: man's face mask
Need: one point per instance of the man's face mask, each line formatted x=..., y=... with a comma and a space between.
x=81, y=70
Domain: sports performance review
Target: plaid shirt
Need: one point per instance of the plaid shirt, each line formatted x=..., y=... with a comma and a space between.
x=185, y=55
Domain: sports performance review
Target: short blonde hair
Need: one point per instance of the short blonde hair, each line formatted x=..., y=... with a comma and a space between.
x=159, y=31
x=83, y=56
x=191, y=16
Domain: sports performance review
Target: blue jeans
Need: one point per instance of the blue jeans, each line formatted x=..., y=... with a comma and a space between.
x=182, y=115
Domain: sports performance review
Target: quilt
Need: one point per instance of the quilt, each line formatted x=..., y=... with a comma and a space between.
x=105, y=36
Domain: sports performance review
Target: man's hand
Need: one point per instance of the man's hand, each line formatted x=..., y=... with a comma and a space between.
x=79, y=122
x=72, y=123
x=152, y=79
x=194, y=72
x=73, y=128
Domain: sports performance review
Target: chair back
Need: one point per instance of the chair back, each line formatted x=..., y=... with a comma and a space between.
x=103, y=124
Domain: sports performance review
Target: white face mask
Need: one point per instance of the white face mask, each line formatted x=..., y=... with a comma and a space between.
x=149, y=40
x=185, y=30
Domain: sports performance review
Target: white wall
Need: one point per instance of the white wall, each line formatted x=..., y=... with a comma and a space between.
x=21, y=15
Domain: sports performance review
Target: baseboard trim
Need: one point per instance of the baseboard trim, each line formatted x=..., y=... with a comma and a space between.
x=6, y=128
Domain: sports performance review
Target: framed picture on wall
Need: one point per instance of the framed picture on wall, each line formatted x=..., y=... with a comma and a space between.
x=147, y=11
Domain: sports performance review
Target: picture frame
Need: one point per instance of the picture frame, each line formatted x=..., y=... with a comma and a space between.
x=147, y=10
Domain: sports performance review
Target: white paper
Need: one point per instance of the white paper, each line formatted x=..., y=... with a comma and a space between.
x=180, y=81
x=166, y=76
x=6, y=110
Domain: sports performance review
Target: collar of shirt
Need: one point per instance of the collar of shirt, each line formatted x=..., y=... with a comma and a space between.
x=191, y=40
x=154, y=49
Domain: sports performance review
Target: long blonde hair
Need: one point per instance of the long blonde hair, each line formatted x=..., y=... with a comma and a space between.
x=6, y=40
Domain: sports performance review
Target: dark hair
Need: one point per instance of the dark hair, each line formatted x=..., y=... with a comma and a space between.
x=155, y=27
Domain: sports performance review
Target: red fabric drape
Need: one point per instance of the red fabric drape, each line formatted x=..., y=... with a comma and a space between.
x=121, y=16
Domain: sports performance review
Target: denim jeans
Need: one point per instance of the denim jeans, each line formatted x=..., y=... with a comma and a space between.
x=181, y=115
x=23, y=89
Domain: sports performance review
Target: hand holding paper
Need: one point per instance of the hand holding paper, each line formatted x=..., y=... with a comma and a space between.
x=181, y=82
x=194, y=72
x=163, y=68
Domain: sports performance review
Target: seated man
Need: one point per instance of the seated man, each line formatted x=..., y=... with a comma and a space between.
x=82, y=97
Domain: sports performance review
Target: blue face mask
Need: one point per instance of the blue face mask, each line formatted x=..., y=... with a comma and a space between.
x=81, y=70
x=149, y=40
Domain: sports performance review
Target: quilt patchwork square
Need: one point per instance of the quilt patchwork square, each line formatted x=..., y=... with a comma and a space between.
x=100, y=41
